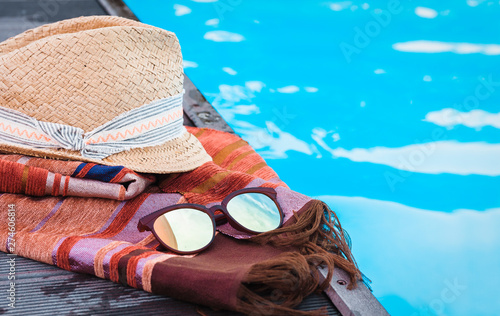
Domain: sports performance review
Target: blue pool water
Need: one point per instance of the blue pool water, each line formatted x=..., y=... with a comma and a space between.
x=387, y=110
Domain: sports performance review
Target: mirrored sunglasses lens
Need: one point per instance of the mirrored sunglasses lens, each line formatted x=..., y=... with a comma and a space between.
x=254, y=211
x=185, y=229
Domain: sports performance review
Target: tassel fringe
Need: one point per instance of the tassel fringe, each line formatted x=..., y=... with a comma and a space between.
x=315, y=239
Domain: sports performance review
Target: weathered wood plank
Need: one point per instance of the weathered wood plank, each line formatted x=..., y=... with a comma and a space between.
x=200, y=111
x=357, y=302
x=117, y=8
x=46, y=11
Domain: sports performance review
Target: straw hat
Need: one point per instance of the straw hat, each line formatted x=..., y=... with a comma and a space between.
x=98, y=89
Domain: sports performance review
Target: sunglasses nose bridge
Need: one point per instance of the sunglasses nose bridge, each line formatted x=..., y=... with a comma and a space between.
x=218, y=216
x=215, y=208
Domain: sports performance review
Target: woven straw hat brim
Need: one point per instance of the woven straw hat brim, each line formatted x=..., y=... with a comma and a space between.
x=179, y=155
x=86, y=71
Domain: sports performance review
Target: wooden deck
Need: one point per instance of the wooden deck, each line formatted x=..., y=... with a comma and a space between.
x=42, y=289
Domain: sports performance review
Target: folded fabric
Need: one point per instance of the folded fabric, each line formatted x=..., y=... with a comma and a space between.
x=267, y=274
x=33, y=176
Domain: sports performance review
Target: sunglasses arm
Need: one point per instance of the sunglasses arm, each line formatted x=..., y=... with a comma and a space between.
x=141, y=227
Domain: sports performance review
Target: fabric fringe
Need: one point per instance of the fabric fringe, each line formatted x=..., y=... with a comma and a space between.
x=316, y=238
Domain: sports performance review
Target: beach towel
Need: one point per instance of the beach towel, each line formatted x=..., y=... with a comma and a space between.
x=83, y=217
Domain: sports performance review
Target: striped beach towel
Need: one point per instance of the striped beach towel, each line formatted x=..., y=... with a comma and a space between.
x=83, y=217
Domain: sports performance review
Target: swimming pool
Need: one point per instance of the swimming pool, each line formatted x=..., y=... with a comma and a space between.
x=389, y=111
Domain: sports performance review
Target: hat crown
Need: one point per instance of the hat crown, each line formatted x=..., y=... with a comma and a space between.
x=89, y=75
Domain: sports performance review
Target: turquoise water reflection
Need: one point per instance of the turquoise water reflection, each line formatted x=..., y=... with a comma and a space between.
x=387, y=110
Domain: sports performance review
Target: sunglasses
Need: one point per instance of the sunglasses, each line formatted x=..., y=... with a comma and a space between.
x=190, y=228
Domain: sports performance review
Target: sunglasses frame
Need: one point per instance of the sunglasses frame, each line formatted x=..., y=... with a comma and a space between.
x=147, y=222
